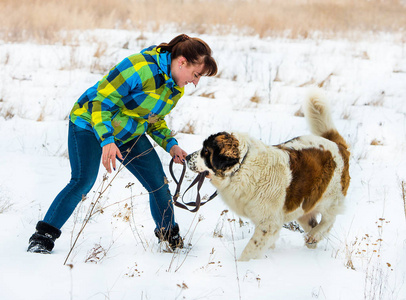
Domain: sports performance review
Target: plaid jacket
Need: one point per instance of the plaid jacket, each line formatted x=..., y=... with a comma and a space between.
x=132, y=99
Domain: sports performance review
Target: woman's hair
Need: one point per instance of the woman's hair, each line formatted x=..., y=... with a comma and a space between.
x=195, y=50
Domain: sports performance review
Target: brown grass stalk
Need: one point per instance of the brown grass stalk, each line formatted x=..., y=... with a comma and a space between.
x=235, y=262
x=5, y=205
x=404, y=195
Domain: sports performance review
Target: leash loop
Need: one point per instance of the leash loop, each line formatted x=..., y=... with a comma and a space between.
x=198, y=180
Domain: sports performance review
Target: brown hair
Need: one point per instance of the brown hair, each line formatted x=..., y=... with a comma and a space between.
x=195, y=50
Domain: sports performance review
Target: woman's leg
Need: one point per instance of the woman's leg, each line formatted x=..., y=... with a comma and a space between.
x=141, y=159
x=84, y=156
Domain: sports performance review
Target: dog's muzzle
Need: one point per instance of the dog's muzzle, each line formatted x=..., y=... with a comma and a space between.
x=191, y=161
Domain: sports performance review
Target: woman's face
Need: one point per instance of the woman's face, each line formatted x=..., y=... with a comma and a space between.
x=184, y=72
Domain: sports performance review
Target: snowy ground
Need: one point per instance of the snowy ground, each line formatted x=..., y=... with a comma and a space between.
x=259, y=90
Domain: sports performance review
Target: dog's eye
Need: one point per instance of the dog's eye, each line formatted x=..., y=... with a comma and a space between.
x=205, y=151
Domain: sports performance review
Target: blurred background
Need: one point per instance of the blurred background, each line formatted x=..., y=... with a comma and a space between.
x=45, y=20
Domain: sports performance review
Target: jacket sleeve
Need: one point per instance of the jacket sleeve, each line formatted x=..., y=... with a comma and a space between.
x=162, y=135
x=110, y=91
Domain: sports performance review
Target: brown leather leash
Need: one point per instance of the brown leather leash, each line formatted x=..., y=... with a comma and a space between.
x=198, y=180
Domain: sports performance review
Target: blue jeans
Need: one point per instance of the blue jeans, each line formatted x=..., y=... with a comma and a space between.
x=140, y=158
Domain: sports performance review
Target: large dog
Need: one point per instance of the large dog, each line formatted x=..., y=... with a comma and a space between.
x=304, y=179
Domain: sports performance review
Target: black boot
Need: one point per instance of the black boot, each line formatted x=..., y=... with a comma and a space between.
x=43, y=240
x=171, y=236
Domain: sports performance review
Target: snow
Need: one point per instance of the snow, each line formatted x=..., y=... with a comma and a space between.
x=259, y=89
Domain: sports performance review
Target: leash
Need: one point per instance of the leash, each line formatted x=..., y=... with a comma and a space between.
x=198, y=180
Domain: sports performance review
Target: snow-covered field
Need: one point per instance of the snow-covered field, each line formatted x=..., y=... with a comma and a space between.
x=259, y=89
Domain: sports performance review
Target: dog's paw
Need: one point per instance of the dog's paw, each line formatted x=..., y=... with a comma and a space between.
x=272, y=246
x=311, y=242
x=248, y=255
x=244, y=257
x=311, y=245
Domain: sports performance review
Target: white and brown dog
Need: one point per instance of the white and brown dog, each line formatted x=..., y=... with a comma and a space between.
x=303, y=179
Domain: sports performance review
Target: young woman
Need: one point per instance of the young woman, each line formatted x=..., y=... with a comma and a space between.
x=110, y=121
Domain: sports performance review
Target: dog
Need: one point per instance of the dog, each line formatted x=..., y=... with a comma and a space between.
x=305, y=179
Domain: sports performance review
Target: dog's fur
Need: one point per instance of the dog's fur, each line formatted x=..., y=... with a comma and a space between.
x=302, y=179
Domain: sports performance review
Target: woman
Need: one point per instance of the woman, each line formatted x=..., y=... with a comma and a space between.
x=109, y=122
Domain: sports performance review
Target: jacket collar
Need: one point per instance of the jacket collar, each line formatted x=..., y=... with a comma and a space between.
x=163, y=60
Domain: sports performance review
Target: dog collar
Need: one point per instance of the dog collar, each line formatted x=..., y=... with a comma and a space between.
x=239, y=164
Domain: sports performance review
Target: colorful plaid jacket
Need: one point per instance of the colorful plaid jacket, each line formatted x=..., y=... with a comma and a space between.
x=132, y=99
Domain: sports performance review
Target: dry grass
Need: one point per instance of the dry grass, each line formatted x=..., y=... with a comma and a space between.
x=5, y=205
x=403, y=186
x=376, y=142
x=255, y=99
x=6, y=113
x=189, y=128
x=42, y=20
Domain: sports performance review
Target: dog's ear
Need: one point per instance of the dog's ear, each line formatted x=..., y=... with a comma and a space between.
x=228, y=145
x=228, y=153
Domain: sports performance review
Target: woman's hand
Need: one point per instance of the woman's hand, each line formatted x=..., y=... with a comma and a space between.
x=109, y=154
x=178, y=154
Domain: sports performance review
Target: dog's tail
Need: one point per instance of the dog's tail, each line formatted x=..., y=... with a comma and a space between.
x=318, y=115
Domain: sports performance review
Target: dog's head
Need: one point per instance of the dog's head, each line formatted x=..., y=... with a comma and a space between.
x=219, y=155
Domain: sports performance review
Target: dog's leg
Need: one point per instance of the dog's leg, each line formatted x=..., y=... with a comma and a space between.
x=264, y=236
x=320, y=231
x=308, y=221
